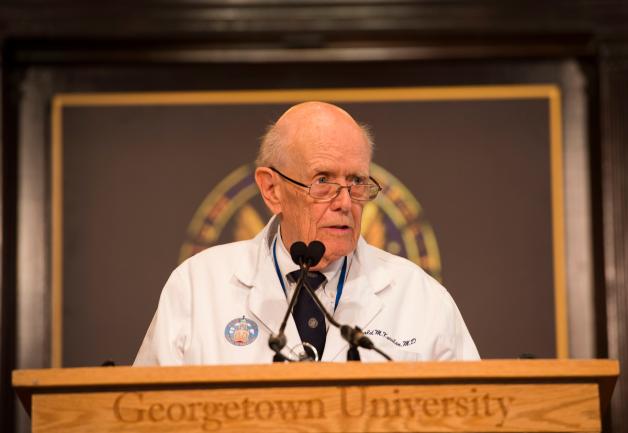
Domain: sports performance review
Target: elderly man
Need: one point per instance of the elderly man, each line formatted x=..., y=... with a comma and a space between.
x=222, y=305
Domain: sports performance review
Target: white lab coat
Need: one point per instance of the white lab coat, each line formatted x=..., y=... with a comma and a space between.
x=404, y=311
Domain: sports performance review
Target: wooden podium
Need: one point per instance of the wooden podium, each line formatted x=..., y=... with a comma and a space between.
x=484, y=396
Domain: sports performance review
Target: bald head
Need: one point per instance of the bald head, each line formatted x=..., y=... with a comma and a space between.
x=308, y=122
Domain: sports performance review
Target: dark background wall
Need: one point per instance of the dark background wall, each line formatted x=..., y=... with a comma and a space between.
x=57, y=46
x=134, y=175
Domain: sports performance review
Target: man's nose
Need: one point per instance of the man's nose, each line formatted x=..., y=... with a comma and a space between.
x=343, y=200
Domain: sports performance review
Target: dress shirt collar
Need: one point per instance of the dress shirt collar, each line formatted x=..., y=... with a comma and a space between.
x=286, y=265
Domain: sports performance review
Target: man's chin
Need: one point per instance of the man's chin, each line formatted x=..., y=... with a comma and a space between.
x=335, y=250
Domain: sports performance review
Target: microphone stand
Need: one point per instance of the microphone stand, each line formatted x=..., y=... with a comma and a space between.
x=353, y=354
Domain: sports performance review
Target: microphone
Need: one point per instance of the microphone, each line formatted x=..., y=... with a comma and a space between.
x=315, y=252
x=298, y=252
x=305, y=257
x=356, y=337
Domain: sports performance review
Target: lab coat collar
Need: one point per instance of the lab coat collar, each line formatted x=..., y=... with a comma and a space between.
x=266, y=300
x=259, y=254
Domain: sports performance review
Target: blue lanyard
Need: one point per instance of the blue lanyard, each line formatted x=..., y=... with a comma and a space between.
x=341, y=281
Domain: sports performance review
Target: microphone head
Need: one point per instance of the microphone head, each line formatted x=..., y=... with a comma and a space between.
x=347, y=332
x=299, y=252
x=315, y=252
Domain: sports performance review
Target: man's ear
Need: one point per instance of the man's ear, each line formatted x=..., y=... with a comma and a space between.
x=269, y=189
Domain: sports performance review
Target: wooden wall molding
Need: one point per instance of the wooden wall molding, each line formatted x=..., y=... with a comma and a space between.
x=141, y=18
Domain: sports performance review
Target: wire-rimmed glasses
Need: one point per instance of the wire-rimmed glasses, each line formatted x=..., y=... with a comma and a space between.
x=329, y=190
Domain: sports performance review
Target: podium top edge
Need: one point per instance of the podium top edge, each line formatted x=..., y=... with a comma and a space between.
x=398, y=372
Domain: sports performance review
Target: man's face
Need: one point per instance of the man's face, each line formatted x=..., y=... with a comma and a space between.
x=341, y=156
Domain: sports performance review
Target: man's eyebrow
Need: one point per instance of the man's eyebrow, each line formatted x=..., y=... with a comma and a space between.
x=359, y=175
x=319, y=172
x=326, y=173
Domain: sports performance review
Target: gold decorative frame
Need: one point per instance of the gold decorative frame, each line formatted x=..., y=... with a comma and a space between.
x=549, y=92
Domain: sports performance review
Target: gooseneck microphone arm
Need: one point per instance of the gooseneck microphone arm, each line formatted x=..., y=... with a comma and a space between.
x=356, y=338
x=320, y=305
x=278, y=341
x=305, y=257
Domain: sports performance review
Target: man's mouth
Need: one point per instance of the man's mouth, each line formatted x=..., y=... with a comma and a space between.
x=339, y=227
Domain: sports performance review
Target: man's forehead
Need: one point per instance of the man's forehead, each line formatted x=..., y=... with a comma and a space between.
x=315, y=131
x=338, y=164
x=313, y=121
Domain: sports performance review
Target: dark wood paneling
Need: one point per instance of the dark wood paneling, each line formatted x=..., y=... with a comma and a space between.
x=202, y=17
x=8, y=296
x=614, y=140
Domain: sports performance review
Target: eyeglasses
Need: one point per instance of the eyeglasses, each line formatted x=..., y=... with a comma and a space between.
x=328, y=191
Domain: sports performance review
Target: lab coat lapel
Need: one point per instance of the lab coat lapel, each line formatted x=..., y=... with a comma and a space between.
x=359, y=303
x=268, y=303
x=267, y=300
